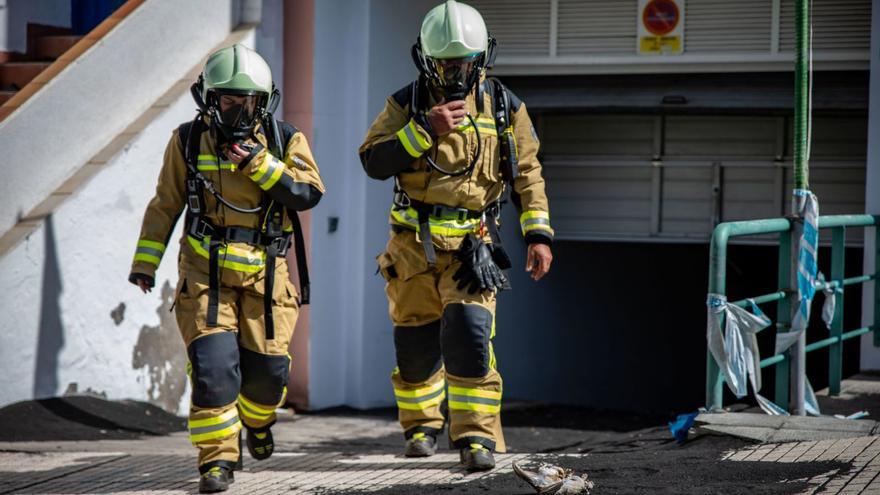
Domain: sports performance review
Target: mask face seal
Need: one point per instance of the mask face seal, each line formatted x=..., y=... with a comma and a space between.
x=234, y=116
x=455, y=77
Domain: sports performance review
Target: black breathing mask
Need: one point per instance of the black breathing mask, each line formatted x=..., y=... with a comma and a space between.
x=237, y=122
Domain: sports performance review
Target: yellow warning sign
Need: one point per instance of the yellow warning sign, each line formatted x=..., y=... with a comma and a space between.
x=661, y=27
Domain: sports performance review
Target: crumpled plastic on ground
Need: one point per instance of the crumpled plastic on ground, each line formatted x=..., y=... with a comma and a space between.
x=682, y=425
x=553, y=480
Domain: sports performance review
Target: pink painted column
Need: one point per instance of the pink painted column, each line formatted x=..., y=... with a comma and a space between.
x=299, y=36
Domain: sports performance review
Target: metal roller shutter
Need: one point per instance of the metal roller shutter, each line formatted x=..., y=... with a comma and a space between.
x=725, y=26
x=522, y=27
x=837, y=25
x=605, y=180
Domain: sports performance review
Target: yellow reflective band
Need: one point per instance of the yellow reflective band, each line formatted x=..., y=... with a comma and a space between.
x=255, y=407
x=493, y=363
x=420, y=392
x=276, y=174
x=469, y=406
x=261, y=171
x=215, y=167
x=535, y=220
x=412, y=140
x=451, y=228
x=421, y=406
x=149, y=258
x=212, y=421
x=230, y=258
x=475, y=392
x=420, y=139
x=158, y=246
x=216, y=434
x=485, y=124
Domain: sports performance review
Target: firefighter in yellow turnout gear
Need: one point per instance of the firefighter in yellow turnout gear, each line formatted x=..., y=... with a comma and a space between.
x=456, y=143
x=241, y=176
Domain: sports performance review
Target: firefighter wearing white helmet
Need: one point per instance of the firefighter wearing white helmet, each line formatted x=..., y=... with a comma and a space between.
x=457, y=144
x=241, y=177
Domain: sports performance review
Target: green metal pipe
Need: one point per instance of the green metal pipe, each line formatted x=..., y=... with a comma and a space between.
x=802, y=95
x=855, y=333
x=766, y=298
x=835, y=353
x=821, y=343
x=831, y=221
x=770, y=361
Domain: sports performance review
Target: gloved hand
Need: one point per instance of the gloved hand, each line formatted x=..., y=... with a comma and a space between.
x=478, y=270
x=242, y=153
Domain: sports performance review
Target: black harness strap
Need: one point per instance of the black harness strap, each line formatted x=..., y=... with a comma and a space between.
x=273, y=238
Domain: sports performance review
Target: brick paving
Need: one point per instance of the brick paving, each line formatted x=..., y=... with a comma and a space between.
x=862, y=452
x=319, y=474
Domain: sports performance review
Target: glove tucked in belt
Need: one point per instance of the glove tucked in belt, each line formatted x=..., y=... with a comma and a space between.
x=478, y=270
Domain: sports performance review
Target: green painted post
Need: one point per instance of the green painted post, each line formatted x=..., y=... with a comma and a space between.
x=835, y=352
x=802, y=119
x=783, y=318
x=717, y=278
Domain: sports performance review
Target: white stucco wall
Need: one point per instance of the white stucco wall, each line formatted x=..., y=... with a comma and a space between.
x=870, y=354
x=65, y=328
x=101, y=92
x=71, y=274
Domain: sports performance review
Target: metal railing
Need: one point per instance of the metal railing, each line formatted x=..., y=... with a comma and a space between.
x=786, y=294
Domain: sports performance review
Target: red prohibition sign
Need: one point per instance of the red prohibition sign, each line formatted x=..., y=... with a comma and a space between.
x=660, y=17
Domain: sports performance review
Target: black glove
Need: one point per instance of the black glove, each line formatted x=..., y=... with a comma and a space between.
x=478, y=271
x=134, y=277
x=252, y=149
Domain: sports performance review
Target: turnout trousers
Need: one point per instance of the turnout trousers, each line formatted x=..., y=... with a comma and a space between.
x=443, y=342
x=238, y=375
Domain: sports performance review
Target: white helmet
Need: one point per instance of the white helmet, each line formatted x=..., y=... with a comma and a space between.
x=453, y=48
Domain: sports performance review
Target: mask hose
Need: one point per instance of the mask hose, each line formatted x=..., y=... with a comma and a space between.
x=473, y=163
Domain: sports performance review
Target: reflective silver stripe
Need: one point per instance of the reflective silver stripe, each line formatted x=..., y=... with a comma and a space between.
x=212, y=428
x=271, y=168
x=536, y=221
x=151, y=251
x=423, y=398
x=407, y=129
x=474, y=400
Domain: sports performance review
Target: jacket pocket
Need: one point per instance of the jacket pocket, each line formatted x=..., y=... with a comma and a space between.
x=386, y=266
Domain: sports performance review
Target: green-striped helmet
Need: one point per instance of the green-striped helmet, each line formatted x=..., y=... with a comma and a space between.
x=453, y=48
x=235, y=89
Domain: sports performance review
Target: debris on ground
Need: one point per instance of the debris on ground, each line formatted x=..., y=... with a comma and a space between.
x=553, y=480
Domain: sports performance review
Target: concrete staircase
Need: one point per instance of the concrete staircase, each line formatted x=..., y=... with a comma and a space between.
x=45, y=45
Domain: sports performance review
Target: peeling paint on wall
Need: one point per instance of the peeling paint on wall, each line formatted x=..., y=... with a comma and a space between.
x=160, y=350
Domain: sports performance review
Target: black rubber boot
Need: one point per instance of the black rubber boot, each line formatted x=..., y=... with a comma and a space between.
x=215, y=479
x=260, y=443
x=420, y=445
x=476, y=457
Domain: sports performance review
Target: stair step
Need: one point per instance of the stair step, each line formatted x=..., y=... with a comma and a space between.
x=6, y=95
x=18, y=74
x=52, y=47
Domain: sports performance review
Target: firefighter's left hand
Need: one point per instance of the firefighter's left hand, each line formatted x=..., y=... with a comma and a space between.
x=538, y=260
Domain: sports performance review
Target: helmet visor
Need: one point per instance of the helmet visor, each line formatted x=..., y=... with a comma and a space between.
x=238, y=110
x=455, y=75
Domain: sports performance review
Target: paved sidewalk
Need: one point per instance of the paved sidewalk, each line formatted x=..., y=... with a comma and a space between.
x=324, y=473
x=862, y=452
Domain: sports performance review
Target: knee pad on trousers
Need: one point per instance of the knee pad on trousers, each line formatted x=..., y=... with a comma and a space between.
x=215, y=374
x=418, y=351
x=465, y=339
x=263, y=376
